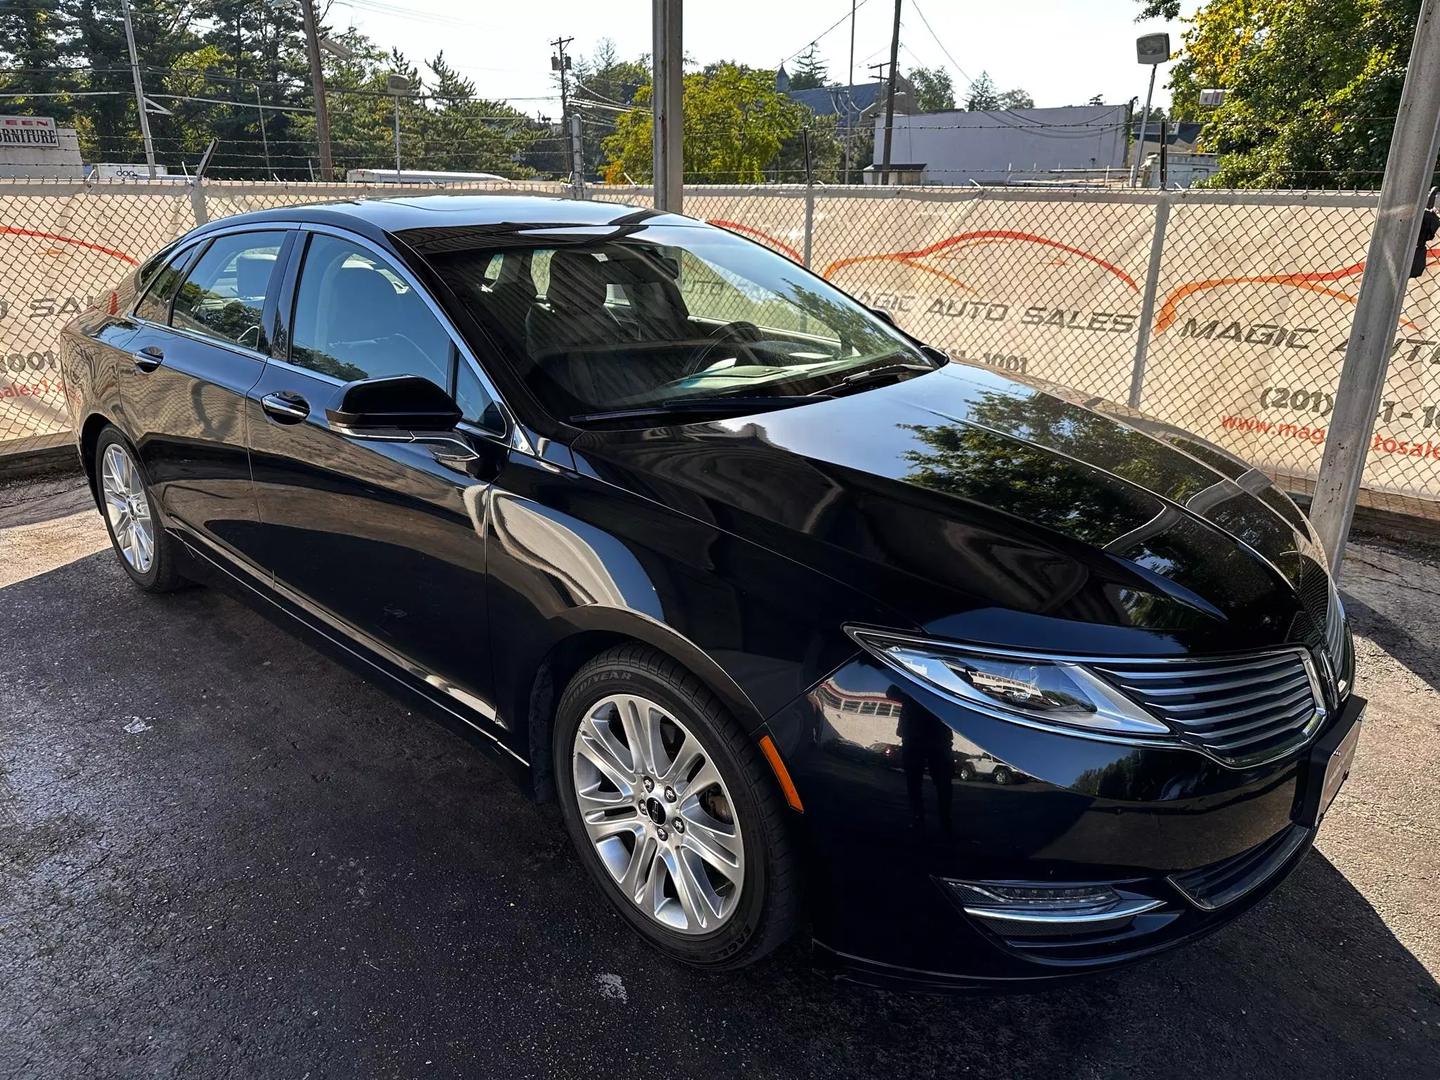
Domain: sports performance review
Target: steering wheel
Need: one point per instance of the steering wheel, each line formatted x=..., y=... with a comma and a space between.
x=740, y=332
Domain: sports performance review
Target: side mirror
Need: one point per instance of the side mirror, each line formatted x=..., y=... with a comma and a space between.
x=882, y=313
x=403, y=402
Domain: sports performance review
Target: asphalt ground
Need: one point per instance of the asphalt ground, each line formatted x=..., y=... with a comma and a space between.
x=223, y=855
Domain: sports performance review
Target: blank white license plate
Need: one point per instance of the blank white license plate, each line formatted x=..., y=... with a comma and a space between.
x=1337, y=769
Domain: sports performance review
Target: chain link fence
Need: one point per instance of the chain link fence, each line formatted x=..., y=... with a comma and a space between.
x=1224, y=313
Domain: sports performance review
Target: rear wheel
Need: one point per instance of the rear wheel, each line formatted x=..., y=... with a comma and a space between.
x=673, y=812
x=146, y=551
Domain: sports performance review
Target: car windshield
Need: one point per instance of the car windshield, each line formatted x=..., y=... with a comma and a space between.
x=670, y=318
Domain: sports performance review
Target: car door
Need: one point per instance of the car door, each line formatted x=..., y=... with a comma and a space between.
x=379, y=539
x=200, y=345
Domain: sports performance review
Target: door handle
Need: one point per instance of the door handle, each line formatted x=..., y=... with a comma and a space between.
x=149, y=358
x=285, y=407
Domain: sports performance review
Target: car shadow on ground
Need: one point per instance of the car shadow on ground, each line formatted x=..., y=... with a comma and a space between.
x=222, y=854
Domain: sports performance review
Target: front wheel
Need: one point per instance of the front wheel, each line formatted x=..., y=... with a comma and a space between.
x=673, y=811
x=1002, y=775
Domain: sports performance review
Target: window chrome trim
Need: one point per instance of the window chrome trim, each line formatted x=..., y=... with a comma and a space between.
x=512, y=435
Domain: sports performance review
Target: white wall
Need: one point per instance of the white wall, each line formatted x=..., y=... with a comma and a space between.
x=989, y=147
x=44, y=161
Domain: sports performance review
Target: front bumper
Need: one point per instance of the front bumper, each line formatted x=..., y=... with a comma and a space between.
x=889, y=822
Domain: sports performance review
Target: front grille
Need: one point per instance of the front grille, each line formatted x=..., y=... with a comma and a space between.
x=1242, y=710
x=1224, y=882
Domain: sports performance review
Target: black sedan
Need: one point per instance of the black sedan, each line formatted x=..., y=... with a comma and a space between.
x=736, y=572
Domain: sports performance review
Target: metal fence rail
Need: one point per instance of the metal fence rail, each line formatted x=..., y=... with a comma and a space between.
x=1223, y=313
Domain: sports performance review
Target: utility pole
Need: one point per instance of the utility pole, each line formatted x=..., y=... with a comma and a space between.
x=317, y=83
x=667, y=102
x=264, y=139
x=1414, y=145
x=139, y=90
x=851, y=81
x=890, y=96
x=569, y=122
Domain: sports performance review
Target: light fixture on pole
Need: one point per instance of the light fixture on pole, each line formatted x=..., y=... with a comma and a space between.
x=1152, y=49
x=397, y=86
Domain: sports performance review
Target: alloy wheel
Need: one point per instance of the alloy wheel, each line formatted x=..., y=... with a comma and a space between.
x=658, y=814
x=128, y=508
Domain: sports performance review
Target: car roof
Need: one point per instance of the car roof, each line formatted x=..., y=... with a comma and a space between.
x=473, y=213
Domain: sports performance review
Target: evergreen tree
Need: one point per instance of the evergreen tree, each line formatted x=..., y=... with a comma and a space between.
x=810, y=71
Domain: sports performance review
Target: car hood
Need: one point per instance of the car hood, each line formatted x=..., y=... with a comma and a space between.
x=983, y=508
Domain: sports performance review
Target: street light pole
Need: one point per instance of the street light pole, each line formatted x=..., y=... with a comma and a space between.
x=139, y=90
x=1414, y=145
x=1144, y=121
x=397, y=137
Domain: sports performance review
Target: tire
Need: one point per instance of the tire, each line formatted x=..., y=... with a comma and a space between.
x=117, y=467
x=725, y=924
x=967, y=773
x=1002, y=775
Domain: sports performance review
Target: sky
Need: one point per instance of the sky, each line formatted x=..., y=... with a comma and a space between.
x=1062, y=51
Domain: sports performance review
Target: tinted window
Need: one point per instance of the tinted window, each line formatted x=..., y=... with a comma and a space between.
x=669, y=314
x=155, y=305
x=224, y=294
x=356, y=318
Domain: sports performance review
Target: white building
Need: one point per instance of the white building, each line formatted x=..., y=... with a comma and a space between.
x=32, y=146
x=1009, y=145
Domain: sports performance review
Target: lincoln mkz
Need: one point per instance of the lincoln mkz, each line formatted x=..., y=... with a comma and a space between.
x=809, y=631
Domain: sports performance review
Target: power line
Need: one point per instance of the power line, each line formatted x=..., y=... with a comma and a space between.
x=816, y=39
x=953, y=62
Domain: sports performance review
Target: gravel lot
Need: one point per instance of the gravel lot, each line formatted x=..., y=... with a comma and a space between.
x=222, y=855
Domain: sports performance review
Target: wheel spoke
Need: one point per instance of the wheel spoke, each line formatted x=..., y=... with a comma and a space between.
x=714, y=842
x=684, y=762
x=691, y=891
x=143, y=542
x=639, y=874
x=599, y=752
x=707, y=777
x=642, y=731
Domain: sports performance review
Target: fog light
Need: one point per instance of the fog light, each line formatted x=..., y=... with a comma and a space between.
x=1070, y=899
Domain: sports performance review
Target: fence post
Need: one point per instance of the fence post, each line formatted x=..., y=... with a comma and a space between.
x=1408, y=171
x=809, y=196
x=197, y=200
x=1147, y=304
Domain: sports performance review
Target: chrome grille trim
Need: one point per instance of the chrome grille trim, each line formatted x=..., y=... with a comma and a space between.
x=1278, y=708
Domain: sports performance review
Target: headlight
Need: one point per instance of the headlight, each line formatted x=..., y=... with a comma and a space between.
x=1031, y=689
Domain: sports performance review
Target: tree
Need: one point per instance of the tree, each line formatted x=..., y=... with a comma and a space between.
x=1312, y=88
x=1016, y=99
x=604, y=83
x=736, y=124
x=810, y=71
x=984, y=94
x=934, y=92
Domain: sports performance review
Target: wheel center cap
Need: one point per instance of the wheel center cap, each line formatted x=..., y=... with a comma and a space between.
x=656, y=809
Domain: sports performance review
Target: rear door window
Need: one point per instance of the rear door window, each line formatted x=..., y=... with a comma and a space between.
x=224, y=293
x=155, y=304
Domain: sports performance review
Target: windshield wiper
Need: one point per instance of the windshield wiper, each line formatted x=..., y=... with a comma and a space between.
x=720, y=404
x=875, y=374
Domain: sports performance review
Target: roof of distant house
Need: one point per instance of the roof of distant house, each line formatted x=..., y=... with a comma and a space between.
x=853, y=100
